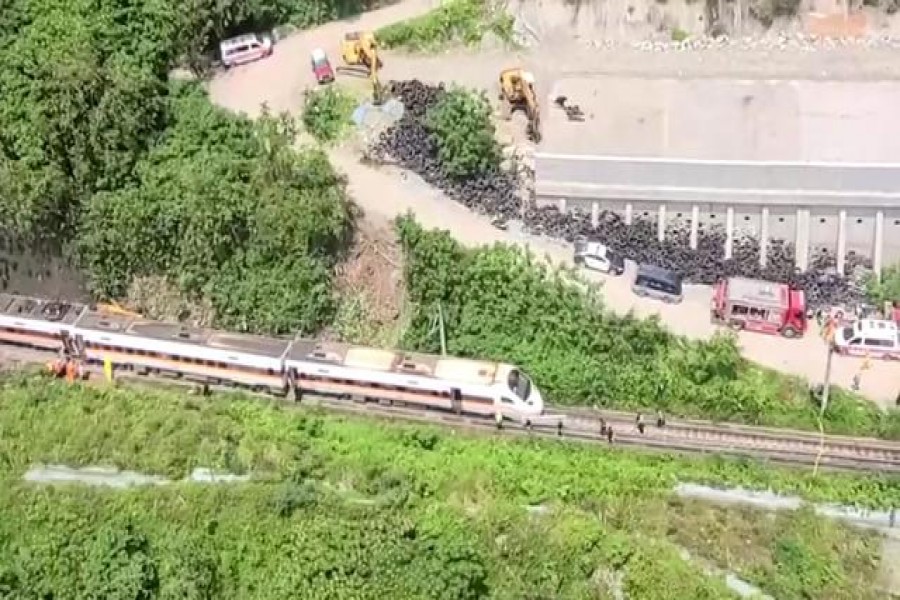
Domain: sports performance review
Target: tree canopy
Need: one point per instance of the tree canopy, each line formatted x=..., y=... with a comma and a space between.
x=136, y=176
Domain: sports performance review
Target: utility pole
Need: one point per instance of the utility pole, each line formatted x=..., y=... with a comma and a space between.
x=828, y=332
x=826, y=387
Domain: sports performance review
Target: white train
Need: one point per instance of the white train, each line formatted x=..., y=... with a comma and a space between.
x=278, y=365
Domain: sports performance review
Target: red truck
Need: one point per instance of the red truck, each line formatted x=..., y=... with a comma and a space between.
x=762, y=306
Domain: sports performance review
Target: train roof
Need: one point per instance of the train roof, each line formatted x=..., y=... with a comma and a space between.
x=375, y=359
x=182, y=334
x=757, y=292
x=39, y=309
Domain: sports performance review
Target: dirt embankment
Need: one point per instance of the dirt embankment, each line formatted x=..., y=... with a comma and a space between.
x=36, y=271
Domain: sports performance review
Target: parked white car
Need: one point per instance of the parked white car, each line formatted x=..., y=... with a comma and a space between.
x=598, y=257
x=244, y=49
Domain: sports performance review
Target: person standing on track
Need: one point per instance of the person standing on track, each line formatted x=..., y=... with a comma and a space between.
x=639, y=421
x=660, y=419
x=609, y=434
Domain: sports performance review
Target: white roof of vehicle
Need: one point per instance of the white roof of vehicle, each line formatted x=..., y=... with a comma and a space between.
x=875, y=328
x=318, y=54
x=238, y=40
x=757, y=292
x=591, y=248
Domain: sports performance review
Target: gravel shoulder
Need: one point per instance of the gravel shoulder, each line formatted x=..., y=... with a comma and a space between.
x=279, y=82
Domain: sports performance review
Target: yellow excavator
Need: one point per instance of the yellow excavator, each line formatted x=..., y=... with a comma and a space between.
x=360, y=49
x=517, y=93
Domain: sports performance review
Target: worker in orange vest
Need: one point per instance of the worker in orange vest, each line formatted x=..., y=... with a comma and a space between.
x=57, y=368
x=71, y=371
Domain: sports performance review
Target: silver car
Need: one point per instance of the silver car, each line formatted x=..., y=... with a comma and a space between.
x=598, y=257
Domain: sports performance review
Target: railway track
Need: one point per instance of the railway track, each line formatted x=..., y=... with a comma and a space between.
x=583, y=425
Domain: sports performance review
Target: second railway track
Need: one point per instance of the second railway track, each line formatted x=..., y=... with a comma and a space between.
x=583, y=425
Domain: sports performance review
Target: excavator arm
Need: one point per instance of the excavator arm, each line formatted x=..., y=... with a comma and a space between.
x=532, y=111
x=372, y=62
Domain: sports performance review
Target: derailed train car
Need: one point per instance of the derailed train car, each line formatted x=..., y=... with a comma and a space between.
x=277, y=365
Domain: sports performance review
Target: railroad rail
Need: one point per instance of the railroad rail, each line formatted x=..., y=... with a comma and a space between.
x=783, y=446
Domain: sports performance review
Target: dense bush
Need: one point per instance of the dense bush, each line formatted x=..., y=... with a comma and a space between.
x=326, y=112
x=462, y=129
x=456, y=21
x=99, y=153
x=499, y=302
x=346, y=508
x=256, y=229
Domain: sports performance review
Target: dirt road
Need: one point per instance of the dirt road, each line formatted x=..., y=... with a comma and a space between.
x=279, y=83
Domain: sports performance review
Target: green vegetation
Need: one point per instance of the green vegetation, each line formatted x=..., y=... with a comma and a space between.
x=462, y=128
x=327, y=112
x=679, y=35
x=455, y=22
x=346, y=508
x=885, y=289
x=257, y=229
x=136, y=177
x=501, y=303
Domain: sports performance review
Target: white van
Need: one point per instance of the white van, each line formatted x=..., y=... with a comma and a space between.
x=869, y=337
x=244, y=49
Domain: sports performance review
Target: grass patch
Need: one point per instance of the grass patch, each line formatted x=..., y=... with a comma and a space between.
x=327, y=112
x=350, y=508
x=169, y=433
x=770, y=550
x=464, y=22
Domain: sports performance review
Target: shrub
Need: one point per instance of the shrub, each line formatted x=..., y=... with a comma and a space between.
x=462, y=128
x=326, y=112
x=456, y=21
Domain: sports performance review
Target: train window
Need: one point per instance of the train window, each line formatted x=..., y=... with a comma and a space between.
x=506, y=400
x=519, y=384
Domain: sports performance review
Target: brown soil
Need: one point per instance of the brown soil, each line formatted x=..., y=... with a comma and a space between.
x=373, y=272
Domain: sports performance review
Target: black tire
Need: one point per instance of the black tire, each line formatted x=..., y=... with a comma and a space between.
x=789, y=332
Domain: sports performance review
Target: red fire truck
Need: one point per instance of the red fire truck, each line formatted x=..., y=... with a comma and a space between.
x=761, y=306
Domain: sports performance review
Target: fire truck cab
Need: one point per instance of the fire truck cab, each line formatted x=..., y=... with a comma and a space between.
x=761, y=306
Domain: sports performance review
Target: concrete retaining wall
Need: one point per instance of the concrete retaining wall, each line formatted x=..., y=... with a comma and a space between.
x=841, y=207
